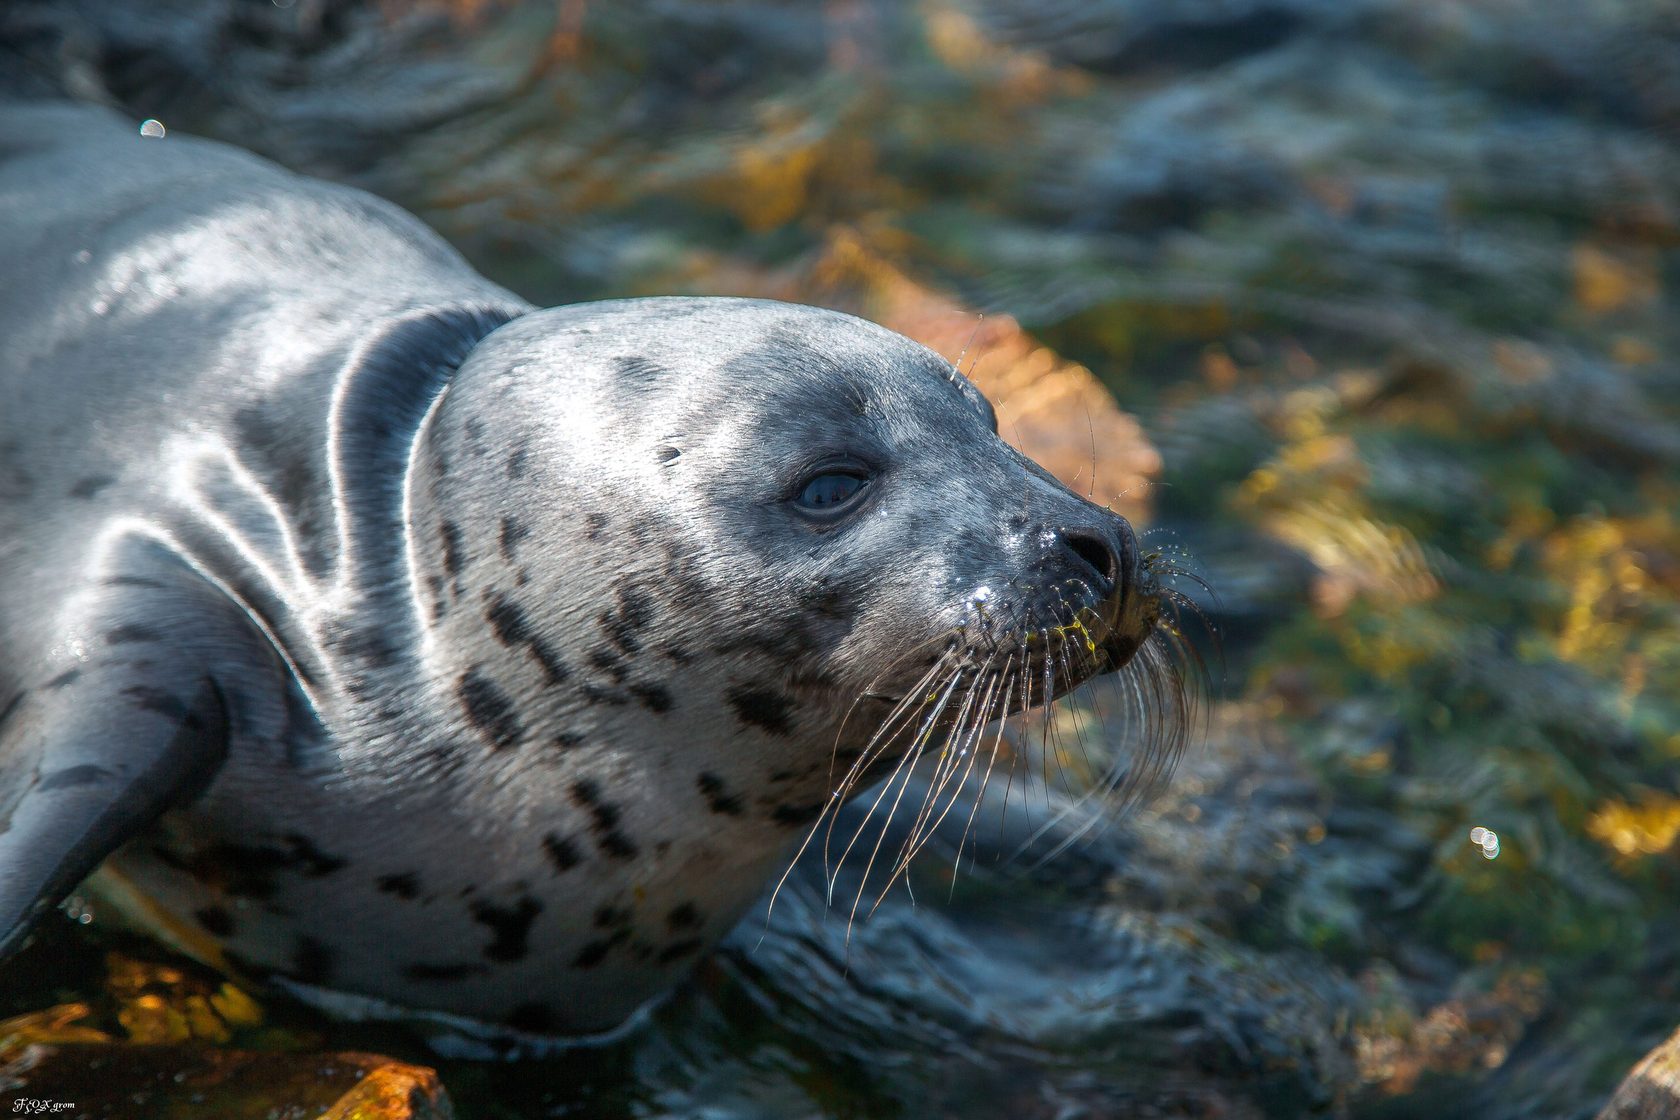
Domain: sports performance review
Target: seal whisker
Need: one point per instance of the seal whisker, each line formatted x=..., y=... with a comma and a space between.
x=921, y=836
x=1019, y=751
x=868, y=690
x=1010, y=683
x=824, y=822
x=949, y=756
x=949, y=761
x=905, y=767
x=878, y=745
x=915, y=700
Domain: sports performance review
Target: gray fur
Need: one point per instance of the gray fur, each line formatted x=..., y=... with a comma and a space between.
x=404, y=639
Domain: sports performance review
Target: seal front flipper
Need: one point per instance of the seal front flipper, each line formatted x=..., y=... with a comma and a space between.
x=120, y=716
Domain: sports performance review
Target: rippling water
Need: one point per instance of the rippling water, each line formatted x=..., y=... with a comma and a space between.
x=1390, y=284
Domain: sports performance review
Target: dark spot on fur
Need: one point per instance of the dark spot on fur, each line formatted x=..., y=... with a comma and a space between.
x=595, y=526
x=596, y=694
x=638, y=370
x=420, y=970
x=91, y=485
x=587, y=794
x=635, y=608
x=215, y=920
x=595, y=952
x=618, y=846
x=592, y=954
x=72, y=776
x=244, y=871
x=561, y=852
x=405, y=885
x=512, y=532
x=69, y=676
x=668, y=454
x=679, y=949
x=610, y=663
x=654, y=697
x=763, y=707
x=312, y=961
x=452, y=548
x=783, y=642
x=511, y=926
x=718, y=796
x=508, y=622
x=620, y=633
x=605, y=826
x=535, y=1018
x=683, y=584
x=512, y=628
x=516, y=461
x=794, y=815
x=612, y=917
x=677, y=654
x=566, y=740
x=490, y=709
x=686, y=916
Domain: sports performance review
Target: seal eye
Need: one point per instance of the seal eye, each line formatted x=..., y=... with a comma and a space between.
x=829, y=493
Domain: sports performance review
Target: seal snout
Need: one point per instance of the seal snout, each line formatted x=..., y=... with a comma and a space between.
x=1105, y=555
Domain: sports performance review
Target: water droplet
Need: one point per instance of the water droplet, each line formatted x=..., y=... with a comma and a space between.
x=152, y=129
x=84, y=257
x=99, y=307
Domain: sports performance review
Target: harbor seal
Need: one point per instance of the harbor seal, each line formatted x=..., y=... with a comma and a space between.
x=378, y=630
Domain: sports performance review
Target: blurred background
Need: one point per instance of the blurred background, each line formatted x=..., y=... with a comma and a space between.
x=1365, y=308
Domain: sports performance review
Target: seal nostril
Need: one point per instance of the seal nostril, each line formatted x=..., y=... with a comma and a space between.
x=1097, y=552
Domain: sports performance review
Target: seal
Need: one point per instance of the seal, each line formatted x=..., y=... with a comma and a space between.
x=377, y=630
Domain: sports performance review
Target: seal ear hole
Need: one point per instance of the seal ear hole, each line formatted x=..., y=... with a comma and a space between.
x=667, y=453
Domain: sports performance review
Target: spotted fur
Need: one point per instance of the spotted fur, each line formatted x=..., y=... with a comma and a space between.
x=409, y=640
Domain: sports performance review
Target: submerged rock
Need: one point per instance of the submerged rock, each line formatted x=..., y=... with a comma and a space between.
x=1651, y=1090
x=149, y=1044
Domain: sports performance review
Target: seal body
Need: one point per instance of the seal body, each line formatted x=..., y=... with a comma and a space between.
x=378, y=630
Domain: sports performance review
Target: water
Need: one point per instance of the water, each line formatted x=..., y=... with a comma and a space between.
x=1391, y=286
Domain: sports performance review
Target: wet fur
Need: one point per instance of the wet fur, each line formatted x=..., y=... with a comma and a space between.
x=393, y=635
